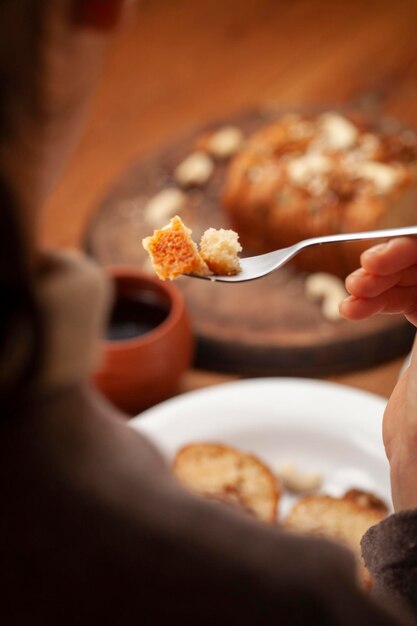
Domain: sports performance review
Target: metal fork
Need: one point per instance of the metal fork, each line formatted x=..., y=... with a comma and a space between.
x=257, y=266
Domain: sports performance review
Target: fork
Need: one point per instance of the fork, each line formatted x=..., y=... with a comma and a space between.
x=257, y=266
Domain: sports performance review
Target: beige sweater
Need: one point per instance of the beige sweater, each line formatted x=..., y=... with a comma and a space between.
x=94, y=530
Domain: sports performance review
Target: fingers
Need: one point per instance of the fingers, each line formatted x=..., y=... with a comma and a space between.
x=391, y=257
x=394, y=300
x=408, y=277
x=363, y=284
x=386, y=282
x=353, y=308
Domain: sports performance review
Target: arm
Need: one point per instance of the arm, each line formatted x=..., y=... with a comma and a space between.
x=387, y=283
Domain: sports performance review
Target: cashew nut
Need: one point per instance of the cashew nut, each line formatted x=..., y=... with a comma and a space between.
x=296, y=481
x=328, y=289
x=384, y=177
x=195, y=170
x=164, y=205
x=225, y=142
x=339, y=133
x=303, y=168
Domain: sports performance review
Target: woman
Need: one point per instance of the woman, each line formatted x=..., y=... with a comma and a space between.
x=93, y=528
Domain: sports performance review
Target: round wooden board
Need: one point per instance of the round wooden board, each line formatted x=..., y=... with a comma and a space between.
x=265, y=327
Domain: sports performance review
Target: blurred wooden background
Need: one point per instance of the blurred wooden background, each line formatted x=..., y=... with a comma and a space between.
x=182, y=62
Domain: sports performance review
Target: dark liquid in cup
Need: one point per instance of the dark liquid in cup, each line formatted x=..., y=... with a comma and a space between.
x=135, y=315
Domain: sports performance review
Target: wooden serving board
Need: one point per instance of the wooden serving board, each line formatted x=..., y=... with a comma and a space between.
x=265, y=327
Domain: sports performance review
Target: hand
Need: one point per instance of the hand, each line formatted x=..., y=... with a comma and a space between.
x=387, y=283
x=400, y=438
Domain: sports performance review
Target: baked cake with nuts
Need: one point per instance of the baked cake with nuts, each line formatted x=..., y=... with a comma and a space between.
x=309, y=175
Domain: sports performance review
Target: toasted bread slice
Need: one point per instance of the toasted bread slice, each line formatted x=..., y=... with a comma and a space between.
x=173, y=252
x=366, y=500
x=343, y=519
x=224, y=473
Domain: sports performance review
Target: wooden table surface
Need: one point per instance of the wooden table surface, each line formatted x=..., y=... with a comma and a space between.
x=180, y=63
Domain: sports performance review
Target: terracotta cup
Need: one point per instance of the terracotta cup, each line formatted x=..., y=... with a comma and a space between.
x=139, y=372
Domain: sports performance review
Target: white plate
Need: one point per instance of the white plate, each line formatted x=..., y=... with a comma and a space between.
x=319, y=426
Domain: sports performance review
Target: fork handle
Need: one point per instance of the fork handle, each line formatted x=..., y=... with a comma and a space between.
x=369, y=234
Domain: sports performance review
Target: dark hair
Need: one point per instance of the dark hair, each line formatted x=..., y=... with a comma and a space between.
x=21, y=336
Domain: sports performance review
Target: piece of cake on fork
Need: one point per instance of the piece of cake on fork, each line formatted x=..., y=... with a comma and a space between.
x=173, y=251
x=220, y=251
